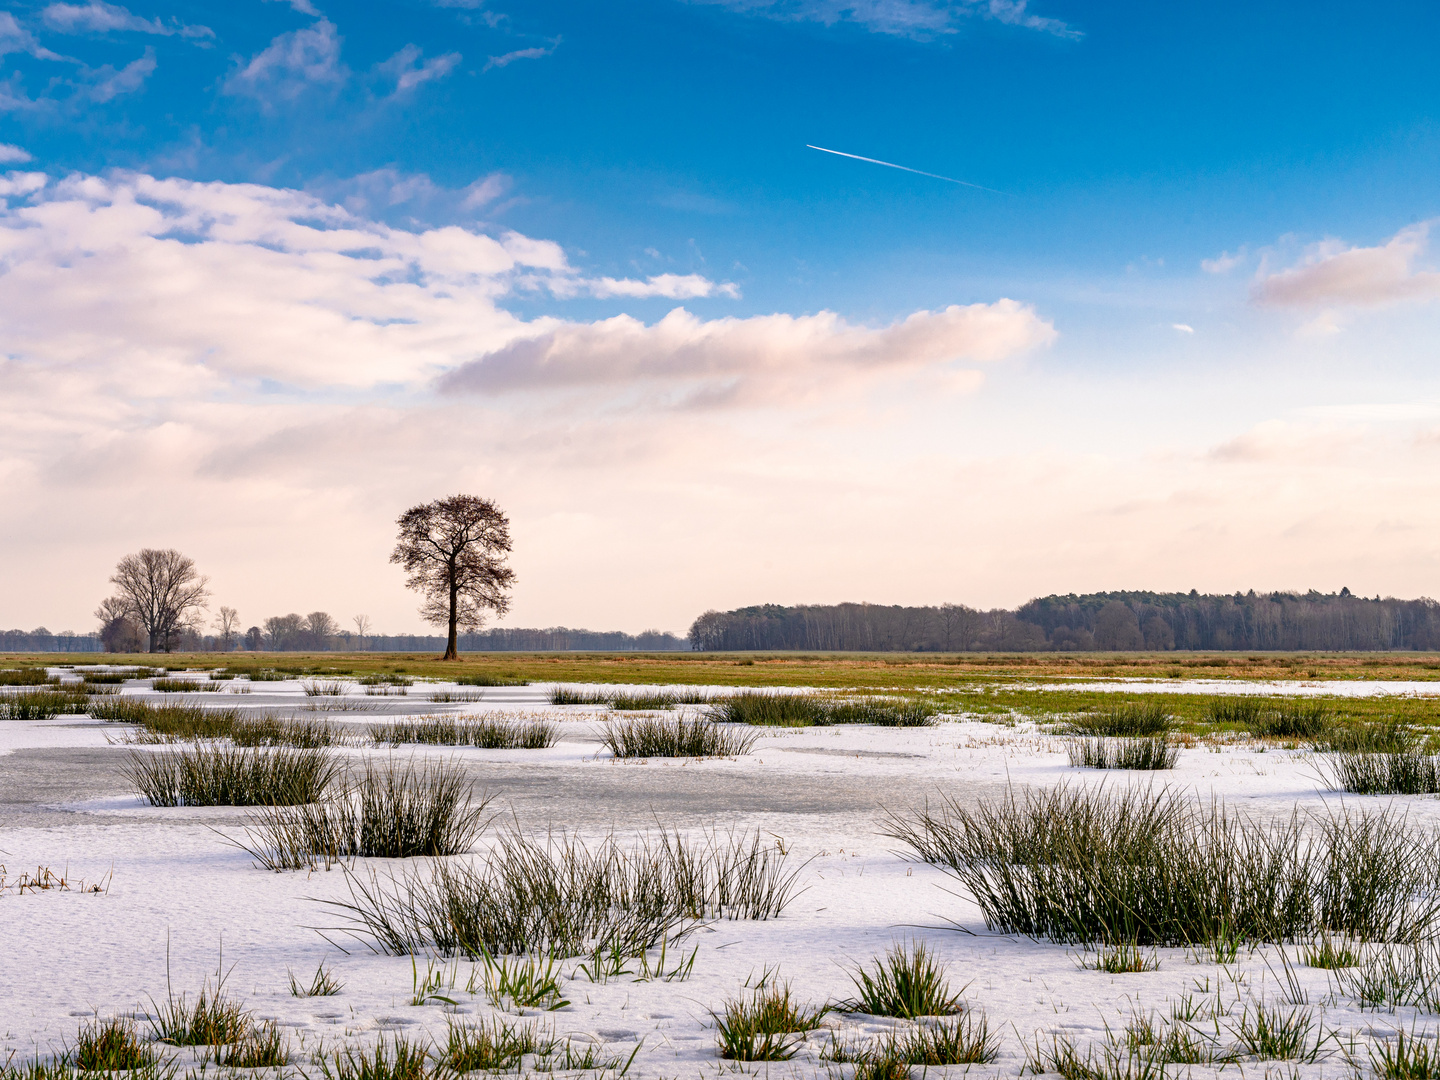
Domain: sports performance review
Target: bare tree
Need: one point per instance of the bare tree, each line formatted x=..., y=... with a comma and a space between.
x=283, y=631
x=453, y=551
x=227, y=623
x=362, y=628
x=161, y=591
x=118, y=631
x=321, y=626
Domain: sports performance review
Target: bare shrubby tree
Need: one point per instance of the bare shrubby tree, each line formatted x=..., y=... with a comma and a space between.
x=453, y=551
x=227, y=625
x=362, y=628
x=320, y=626
x=162, y=592
x=118, y=631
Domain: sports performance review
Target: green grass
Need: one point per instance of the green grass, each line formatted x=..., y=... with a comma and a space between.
x=323, y=984
x=1128, y=720
x=497, y=1046
x=167, y=722
x=806, y=710
x=1148, y=754
x=560, y=897
x=387, y=811
x=42, y=704
x=1165, y=869
x=907, y=982
x=401, y=1060
x=767, y=1024
x=1409, y=772
x=210, y=775
x=1279, y=1033
x=485, y=732
x=669, y=737
x=1411, y=1056
x=111, y=1046
x=481, y=678
x=185, y=686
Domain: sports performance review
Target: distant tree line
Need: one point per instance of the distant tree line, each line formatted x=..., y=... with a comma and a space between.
x=42, y=640
x=1112, y=621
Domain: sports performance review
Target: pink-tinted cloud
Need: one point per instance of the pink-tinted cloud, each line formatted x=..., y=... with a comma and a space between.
x=1337, y=276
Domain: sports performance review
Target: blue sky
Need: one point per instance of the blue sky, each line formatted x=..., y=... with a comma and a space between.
x=1211, y=222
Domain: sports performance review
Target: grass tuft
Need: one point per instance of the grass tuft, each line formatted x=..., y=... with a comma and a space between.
x=498, y=1046
x=484, y=732
x=403, y=1060
x=111, y=1046
x=1129, y=720
x=1142, y=754
x=907, y=982
x=324, y=984
x=388, y=812
x=647, y=737
x=803, y=710
x=1080, y=865
x=765, y=1025
x=1410, y=1057
x=230, y=776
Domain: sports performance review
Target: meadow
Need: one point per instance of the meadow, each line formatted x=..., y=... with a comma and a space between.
x=383, y=868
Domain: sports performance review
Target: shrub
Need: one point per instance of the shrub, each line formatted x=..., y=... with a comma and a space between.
x=562, y=898
x=764, y=1025
x=907, y=982
x=646, y=737
x=1149, y=754
x=230, y=776
x=387, y=813
x=1148, y=869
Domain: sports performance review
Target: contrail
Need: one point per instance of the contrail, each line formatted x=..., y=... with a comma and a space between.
x=904, y=168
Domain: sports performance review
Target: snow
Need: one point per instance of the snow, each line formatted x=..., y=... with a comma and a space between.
x=176, y=897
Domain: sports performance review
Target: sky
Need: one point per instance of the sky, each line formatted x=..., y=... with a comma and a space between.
x=1149, y=303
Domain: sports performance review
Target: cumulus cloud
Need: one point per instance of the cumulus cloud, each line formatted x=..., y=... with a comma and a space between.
x=292, y=63
x=1332, y=274
x=409, y=68
x=103, y=18
x=669, y=286
x=905, y=18
x=10, y=154
x=772, y=352
x=1224, y=262
x=1184, y=328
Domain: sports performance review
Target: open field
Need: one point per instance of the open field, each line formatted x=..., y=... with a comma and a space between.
x=841, y=897
x=841, y=670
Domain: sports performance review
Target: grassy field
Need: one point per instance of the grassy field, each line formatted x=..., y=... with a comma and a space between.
x=891, y=671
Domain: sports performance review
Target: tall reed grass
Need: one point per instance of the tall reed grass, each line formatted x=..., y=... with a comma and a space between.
x=1147, y=754
x=168, y=722
x=1150, y=868
x=213, y=775
x=38, y=676
x=804, y=710
x=42, y=704
x=389, y=811
x=485, y=732
x=654, y=736
x=1128, y=720
x=561, y=897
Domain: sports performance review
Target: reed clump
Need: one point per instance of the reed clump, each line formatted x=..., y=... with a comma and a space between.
x=38, y=676
x=1162, y=869
x=805, y=710
x=43, y=704
x=1142, y=754
x=213, y=775
x=561, y=897
x=654, y=736
x=767, y=1024
x=907, y=982
x=167, y=722
x=490, y=732
x=389, y=811
x=1128, y=720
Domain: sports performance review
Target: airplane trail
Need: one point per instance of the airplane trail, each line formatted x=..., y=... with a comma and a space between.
x=904, y=168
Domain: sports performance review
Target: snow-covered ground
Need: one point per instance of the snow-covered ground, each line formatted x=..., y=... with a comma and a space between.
x=173, y=891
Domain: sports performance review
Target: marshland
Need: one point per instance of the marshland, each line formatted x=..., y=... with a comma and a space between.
x=737, y=864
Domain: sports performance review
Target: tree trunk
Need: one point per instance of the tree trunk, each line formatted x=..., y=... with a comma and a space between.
x=452, y=650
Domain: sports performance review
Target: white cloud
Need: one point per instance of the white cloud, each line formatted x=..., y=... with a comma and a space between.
x=292, y=63
x=1332, y=274
x=906, y=18
x=408, y=68
x=1184, y=328
x=305, y=7
x=1224, y=262
x=15, y=38
x=509, y=58
x=670, y=286
x=486, y=190
x=102, y=18
x=107, y=83
x=751, y=358
x=10, y=154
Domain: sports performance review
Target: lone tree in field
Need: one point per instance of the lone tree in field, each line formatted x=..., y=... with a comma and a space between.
x=161, y=591
x=454, y=552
